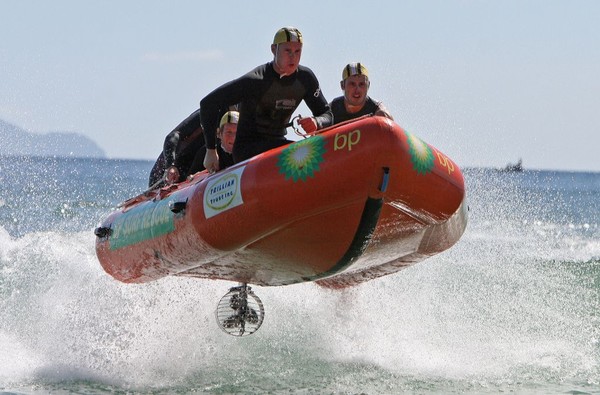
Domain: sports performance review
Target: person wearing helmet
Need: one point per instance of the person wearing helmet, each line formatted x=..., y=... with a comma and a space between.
x=226, y=134
x=268, y=96
x=355, y=102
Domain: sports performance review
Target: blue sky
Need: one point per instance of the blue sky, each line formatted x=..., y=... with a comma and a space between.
x=486, y=82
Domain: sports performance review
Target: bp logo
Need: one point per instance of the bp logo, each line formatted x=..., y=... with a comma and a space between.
x=421, y=155
x=301, y=160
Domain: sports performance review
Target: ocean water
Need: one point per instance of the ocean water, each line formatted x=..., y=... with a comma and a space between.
x=513, y=307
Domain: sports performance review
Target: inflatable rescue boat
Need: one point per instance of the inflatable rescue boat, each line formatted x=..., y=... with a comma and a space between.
x=357, y=201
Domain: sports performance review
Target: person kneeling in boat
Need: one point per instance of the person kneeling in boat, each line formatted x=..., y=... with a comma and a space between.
x=226, y=134
x=268, y=96
x=355, y=102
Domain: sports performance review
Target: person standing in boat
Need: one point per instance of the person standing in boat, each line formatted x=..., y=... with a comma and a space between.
x=355, y=102
x=268, y=96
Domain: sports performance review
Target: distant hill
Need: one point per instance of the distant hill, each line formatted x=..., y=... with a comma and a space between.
x=16, y=141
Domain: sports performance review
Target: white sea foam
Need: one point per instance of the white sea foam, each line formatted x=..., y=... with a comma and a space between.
x=468, y=313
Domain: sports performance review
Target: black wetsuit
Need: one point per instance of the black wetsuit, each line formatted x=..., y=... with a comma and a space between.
x=340, y=114
x=267, y=102
x=180, y=148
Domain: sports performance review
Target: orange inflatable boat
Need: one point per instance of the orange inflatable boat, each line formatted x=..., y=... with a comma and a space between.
x=357, y=201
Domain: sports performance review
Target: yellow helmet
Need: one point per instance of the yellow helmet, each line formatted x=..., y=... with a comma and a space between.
x=287, y=34
x=229, y=117
x=354, y=69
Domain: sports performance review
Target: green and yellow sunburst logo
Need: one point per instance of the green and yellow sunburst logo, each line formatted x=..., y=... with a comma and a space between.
x=421, y=155
x=301, y=160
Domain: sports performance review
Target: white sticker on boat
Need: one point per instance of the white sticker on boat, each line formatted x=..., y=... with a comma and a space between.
x=223, y=193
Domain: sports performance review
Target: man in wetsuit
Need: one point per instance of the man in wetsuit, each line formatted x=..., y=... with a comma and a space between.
x=268, y=96
x=355, y=102
x=179, y=149
x=226, y=135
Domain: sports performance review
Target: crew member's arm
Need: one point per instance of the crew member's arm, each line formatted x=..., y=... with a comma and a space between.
x=316, y=102
x=211, y=107
x=211, y=160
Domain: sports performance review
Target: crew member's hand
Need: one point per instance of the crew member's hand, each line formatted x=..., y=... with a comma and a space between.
x=171, y=175
x=211, y=161
x=308, y=124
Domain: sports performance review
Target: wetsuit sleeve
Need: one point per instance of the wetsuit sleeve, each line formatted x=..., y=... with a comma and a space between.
x=317, y=103
x=216, y=103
